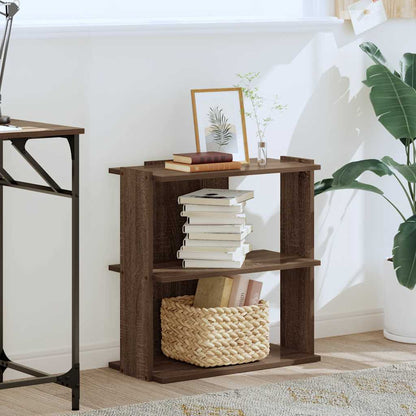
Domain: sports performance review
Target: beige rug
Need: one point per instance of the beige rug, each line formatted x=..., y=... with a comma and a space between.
x=389, y=391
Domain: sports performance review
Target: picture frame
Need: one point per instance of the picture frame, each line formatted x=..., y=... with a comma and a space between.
x=219, y=122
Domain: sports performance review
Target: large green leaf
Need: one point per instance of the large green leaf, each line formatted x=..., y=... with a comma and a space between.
x=407, y=171
x=346, y=177
x=406, y=142
x=351, y=171
x=404, y=253
x=408, y=69
x=394, y=102
x=374, y=53
x=323, y=186
x=328, y=185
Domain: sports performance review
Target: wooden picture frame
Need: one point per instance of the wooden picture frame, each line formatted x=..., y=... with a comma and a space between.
x=232, y=121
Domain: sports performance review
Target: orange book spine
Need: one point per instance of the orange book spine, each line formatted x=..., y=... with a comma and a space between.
x=208, y=167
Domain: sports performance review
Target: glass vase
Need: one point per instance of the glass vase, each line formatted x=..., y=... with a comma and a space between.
x=262, y=153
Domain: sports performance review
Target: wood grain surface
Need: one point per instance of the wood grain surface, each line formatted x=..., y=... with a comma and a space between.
x=36, y=130
x=161, y=174
x=136, y=286
x=394, y=8
x=297, y=238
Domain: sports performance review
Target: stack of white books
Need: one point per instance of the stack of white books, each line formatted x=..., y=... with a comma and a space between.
x=215, y=229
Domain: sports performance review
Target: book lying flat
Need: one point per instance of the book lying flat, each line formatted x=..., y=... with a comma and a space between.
x=214, y=228
x=238, y=208
x=213, y=292
x=221, y=236
x=225, y=197
x=202, y=157
x=200, y=218
x=213, y=243
x=212, y=264
x=206, y=167
x=213, y=255
x=235, y=255
x=245, y=247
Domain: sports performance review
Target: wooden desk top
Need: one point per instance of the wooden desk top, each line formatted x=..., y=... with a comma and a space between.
x=35, y=130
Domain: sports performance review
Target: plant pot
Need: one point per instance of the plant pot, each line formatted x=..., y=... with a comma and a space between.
x=399, y=309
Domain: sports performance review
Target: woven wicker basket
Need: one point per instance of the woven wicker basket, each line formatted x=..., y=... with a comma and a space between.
x=215, y=336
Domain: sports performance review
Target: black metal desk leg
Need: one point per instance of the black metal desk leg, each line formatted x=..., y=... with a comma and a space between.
x=70, y=379
x=74, y=144
x=4, y=360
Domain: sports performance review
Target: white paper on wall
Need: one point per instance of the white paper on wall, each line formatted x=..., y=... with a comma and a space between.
x=366, y=14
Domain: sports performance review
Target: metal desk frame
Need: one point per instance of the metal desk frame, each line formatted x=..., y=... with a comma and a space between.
x=70, y=379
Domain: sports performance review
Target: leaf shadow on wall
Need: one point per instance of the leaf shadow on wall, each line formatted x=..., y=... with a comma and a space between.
x=340, y=121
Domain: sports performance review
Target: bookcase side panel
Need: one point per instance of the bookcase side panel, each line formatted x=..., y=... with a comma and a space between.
x=297, y=238
x=136, y=285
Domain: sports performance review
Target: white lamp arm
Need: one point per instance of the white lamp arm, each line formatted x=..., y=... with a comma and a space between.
x=10, y=10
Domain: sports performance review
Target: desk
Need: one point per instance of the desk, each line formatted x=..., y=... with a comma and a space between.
x=19, y=138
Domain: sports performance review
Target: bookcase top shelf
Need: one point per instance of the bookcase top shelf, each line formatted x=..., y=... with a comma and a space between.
x=256, y=261
x=160, y=174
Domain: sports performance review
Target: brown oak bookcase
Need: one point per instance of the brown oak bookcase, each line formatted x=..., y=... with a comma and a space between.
x=151, y=234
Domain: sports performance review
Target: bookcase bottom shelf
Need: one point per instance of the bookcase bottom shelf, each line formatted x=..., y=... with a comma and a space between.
x=171, y=371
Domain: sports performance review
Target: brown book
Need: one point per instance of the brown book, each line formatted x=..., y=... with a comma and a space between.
x=213, y=292
x=205, y=167
x=202, y=157
x=253, y=293
x=239, y=291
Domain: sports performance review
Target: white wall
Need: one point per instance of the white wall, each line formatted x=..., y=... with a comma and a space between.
x=162, y=9
x=131, y=93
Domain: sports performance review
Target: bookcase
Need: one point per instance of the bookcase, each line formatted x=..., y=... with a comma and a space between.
x=151, y=234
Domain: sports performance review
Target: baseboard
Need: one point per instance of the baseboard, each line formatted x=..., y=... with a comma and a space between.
x=98, y=356
x=332, y=325
x=348, y=323
x=91, y=356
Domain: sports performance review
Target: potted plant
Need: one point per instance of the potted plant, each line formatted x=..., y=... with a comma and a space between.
x=393, y=96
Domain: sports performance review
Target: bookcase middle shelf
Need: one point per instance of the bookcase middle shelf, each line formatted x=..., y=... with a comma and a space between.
x=256, y=261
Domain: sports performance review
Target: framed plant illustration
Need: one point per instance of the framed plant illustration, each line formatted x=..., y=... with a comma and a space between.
x=219, y=121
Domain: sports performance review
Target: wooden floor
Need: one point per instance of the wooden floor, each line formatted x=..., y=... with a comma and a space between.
x=105, y=388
